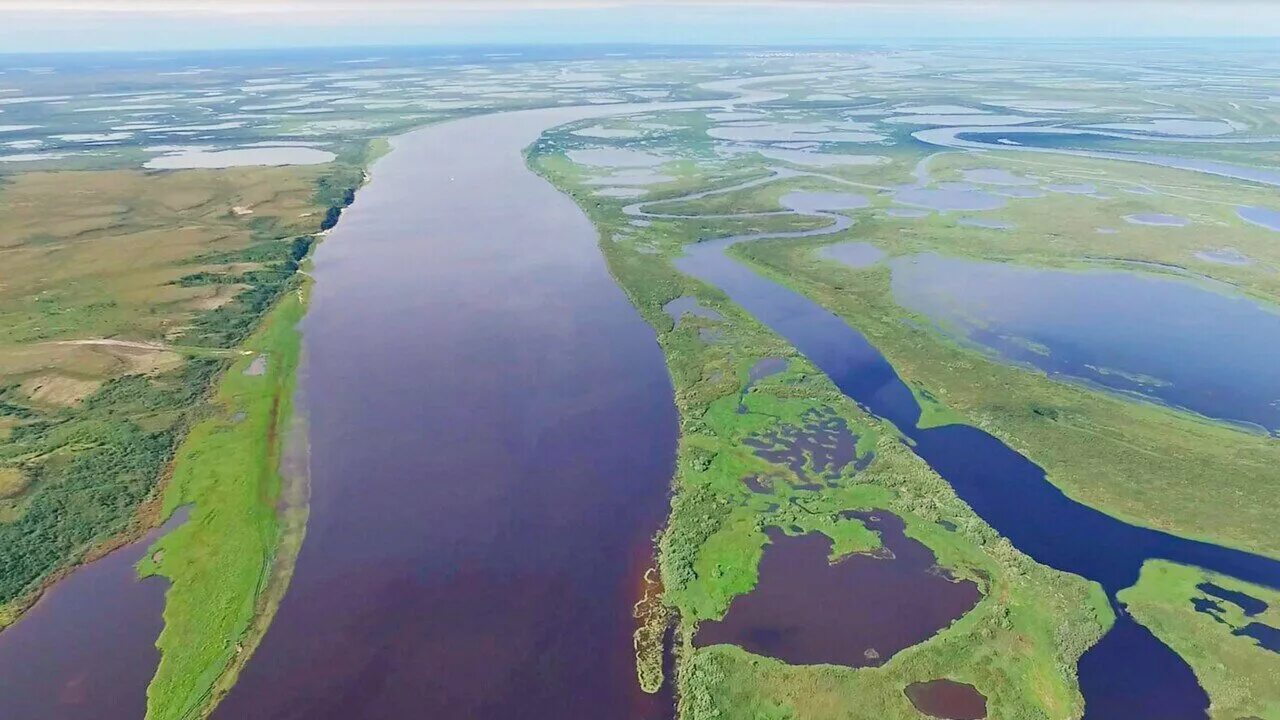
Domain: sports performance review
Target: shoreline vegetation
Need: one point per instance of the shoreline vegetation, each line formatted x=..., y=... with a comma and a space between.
x=230, y=563
x=207, y=370
x=714, y=538
x=93, y=463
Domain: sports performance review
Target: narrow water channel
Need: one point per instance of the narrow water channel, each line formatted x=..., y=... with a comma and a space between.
x=492, y=438
x=51, y=661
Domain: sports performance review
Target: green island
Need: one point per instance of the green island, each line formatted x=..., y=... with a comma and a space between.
x=1146, y=462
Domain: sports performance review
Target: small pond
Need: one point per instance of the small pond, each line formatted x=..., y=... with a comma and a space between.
x=820, y=159
x=1264, y=217
x=1157, y=219
x=689, y=305
x=947, y=700
x=615, y=158
x=858, y=611
x=996, y=176
x=1225, y=256
x=195, y=157
x=944, y=199
x=814, y=202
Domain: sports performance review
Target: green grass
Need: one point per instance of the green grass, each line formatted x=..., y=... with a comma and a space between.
x=1241, y=677
x=1019, y=646
x=1142, y=462
x=220, y=560
x=160, y=261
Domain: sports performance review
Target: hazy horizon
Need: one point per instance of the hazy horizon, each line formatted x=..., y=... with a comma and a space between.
x=96, y=25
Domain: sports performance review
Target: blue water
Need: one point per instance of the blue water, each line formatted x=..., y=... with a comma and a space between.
x=1263, y=217
x=1266, y=636
x=1173, y=341
x=1129, y=675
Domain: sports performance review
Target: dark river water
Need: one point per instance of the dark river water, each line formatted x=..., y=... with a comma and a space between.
x=51, y=661
x=1129, y=675
x=492, y=437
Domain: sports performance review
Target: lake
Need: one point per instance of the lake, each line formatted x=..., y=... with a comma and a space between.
x=1175, y=341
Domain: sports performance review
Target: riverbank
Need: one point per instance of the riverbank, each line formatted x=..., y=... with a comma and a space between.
x=1057, y=424
x=244, y=472
x=229, y=563
x=1224, y=628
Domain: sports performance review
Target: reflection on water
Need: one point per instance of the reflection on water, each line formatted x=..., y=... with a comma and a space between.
x=1129, y=674
x=484, y=460
x=1267, y=636
x=1157, y=219
x=689, y=305
x=816, y=202
x=949, y=199
x=203, y=157
x=1224, y=256
x=853, y=253
x=1168, y=340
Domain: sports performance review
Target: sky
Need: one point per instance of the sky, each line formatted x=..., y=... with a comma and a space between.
x=95, y=25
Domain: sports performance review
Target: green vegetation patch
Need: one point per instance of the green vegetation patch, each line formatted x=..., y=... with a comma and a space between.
x=220, y=560
x=1241, y=677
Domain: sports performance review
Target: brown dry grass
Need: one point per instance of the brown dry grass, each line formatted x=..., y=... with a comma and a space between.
x=95, y=254
x=58, y=389
x=12, y=482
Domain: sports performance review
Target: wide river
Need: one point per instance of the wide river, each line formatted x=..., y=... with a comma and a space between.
x=492, y=438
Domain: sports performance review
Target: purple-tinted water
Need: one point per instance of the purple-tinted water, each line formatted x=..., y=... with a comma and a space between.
x=51, y=661
x=948, y=700
x=859, y=611
x=493, y=442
